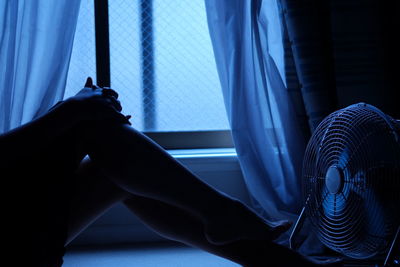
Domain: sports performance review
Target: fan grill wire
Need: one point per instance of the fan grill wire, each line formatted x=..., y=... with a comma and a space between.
x=353, y=221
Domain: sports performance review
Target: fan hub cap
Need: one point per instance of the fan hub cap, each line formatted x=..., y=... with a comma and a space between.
x=334, y=180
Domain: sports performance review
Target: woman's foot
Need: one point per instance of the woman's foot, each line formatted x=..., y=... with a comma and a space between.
x=239, y=223
x=258, y=253
x=284, y=256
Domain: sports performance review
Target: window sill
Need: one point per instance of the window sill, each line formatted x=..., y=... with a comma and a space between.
x=207, y=160
x=203, y=153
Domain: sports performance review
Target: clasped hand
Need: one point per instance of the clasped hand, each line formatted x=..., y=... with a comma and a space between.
x=97, y=103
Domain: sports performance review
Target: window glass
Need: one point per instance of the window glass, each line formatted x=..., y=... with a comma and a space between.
x=167, y=81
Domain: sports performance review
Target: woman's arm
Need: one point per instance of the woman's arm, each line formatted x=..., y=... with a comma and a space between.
x=91, y=103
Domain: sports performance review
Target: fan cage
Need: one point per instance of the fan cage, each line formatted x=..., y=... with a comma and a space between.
x=360, y=219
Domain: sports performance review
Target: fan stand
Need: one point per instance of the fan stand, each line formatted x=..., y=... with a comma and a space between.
x=297, y=228
x=298, y=225
x=390, y=256
x=394, y=249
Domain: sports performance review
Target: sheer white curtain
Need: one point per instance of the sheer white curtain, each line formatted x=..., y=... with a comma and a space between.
x=36, y=40
x=248, y=47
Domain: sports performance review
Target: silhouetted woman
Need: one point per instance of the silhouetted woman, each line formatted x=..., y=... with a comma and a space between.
x=53, y=191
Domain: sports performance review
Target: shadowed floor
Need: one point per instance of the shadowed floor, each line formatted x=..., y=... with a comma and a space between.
x=162, y=255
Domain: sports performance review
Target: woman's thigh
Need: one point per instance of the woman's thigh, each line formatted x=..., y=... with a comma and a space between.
x=38, y=186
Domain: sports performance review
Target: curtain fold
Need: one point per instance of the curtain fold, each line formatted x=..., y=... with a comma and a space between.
x=36, y=39
x=248, y=46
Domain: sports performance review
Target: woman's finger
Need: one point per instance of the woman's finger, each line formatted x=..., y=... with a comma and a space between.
x=113, y=114
x=114, y=102
x=128, y=117
x=108, y=91
x=95, y=87
x=89, y=82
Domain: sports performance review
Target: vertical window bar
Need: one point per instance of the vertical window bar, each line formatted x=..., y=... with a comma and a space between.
x=102, y=42
x=147, y=53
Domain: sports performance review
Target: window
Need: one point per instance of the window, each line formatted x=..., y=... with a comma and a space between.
x=161, y=63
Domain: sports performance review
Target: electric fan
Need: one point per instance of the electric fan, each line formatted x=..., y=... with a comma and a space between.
x=351, y=183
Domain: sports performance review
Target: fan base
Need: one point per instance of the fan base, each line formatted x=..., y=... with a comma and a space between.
x=392, y=257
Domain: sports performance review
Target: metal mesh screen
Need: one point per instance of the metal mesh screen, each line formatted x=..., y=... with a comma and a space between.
x=162, y=64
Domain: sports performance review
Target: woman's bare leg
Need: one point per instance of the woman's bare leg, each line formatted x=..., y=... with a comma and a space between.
x=177, y=224
x=96, y=193
x=139, y=166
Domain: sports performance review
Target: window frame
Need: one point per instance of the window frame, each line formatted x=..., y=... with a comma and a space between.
x=168, y=140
